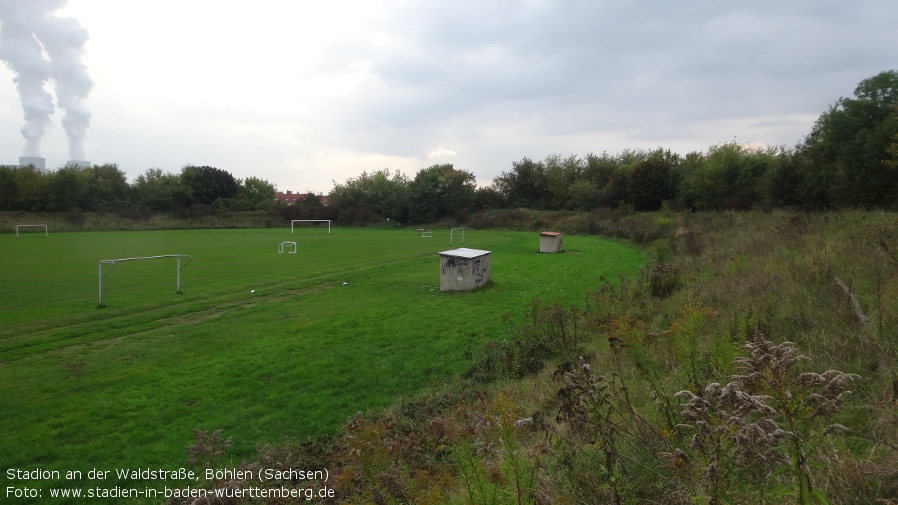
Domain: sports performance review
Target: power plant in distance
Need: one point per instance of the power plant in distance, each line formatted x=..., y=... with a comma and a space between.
x=41, y=163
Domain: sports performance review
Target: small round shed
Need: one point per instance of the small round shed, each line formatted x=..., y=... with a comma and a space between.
x=550, y=242
x=464, y=269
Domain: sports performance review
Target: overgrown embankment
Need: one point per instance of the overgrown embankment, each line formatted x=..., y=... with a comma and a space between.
x=198, y=218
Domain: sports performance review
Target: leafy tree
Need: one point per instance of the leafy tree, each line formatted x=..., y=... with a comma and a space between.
x=67, y=189
x=371, y=197
x=348, y=199
x=8, y=188
x=723, y=167
x=161, y=191
x=525, y=185
x=891, y=160
x=208, y=184
x=728, y=176
x=617, y=190
x=441, y=190
x=603, y=182
x=781, y=184
x=847, y=148
x=561, y=173
x=32, y=189
x=309, y=207
x=649, y=184
x=107, y=186
x=258, y=192
x=390, y=194
x=489, y=198
x=686, y=180
x=584, y=195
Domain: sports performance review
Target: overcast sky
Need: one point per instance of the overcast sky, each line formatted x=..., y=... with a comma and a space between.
x=304, y=93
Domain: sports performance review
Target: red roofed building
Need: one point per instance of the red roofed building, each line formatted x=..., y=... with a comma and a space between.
x=291, y=198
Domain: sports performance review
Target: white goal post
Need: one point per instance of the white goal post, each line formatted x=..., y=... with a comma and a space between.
x=328, y=221
x=46, y=232
x=290, y=246
x=115, y=261
x=462, y=234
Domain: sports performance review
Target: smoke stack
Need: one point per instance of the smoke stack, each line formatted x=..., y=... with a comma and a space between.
x=39, y=47
x=39, y=163
x=78, y=164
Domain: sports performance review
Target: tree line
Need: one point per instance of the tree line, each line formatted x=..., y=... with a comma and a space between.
x=104, y=188
x=848, y=160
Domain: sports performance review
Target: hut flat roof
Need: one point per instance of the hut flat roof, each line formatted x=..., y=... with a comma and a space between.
x=464, y=252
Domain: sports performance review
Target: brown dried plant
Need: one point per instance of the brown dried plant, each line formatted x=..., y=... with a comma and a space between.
x=207, y=447
x=771, y=416
x=805, y=403
x=731, y=430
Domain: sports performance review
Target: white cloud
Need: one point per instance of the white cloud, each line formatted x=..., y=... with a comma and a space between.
x=440, y=152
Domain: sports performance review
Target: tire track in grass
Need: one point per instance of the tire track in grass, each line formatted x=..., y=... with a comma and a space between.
x=146, y=321
x=154, y=319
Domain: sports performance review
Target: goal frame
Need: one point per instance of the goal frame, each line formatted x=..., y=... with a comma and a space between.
x=462, y=234
x=328, y=221
x=114, y=262
x=46, y=230
x=290, y=247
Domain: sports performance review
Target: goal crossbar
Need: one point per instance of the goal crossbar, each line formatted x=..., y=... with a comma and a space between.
x=46, y=231
x=120, y=260
x=328, y=221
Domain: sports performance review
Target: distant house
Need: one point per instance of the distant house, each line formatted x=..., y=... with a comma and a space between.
x=291, y=198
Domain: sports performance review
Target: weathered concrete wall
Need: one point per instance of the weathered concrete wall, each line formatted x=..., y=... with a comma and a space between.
x=550, y=243
x=463, y=274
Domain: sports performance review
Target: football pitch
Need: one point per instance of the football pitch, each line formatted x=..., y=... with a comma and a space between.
x=261, y=344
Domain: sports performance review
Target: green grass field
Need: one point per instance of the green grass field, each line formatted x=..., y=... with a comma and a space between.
x=351, y=322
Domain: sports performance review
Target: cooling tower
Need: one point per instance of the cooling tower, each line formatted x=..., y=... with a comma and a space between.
x=78, y=164
x=39, y=163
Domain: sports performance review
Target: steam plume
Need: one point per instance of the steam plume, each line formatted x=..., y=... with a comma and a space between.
x=39, y=46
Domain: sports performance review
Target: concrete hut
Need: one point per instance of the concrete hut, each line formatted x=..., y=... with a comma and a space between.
x=464, y=269
x=550, y=242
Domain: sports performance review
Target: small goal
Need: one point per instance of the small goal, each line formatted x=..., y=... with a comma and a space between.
x=290, y=247
x=116, y=261
x=328, y=221
x=453, y=230
x=46, y=231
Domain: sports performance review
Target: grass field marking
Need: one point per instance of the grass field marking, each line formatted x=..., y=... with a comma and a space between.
x=328, y=221
x=115, y=261
x=46, y=231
